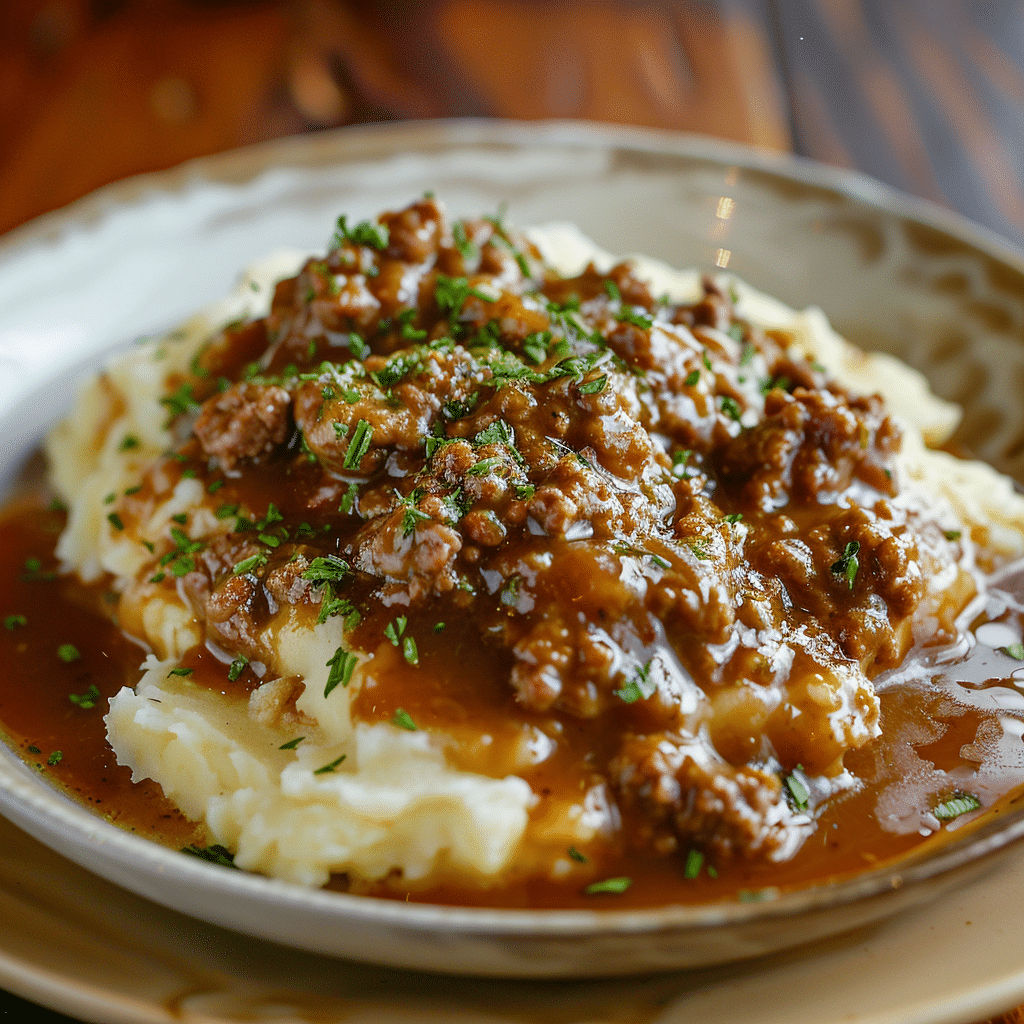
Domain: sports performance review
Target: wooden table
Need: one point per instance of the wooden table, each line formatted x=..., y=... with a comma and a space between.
x=925, y=95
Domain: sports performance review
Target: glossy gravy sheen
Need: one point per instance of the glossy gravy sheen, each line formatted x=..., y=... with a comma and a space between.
x=964, y=723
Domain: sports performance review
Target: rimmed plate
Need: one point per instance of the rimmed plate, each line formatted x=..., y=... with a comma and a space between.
x=139, y=255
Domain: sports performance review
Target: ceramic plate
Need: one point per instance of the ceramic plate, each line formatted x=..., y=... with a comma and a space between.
x=137, y=256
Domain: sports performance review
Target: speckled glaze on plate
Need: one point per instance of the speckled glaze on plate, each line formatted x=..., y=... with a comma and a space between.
x=139, y=255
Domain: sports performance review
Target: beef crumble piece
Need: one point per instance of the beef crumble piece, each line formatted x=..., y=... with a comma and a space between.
x=686, y=547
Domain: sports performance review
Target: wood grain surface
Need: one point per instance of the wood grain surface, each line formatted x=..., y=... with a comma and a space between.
x=927, y=95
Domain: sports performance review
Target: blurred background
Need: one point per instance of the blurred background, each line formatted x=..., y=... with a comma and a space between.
x=927, y=95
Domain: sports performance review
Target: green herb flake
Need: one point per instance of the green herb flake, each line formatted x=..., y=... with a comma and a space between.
x=575, y=854
x=1015, y=651
x=129, y=443
x=13, y=622
x=247, y=564
x=959, y=803
x=403, y=720
x=292, y=744
x=467, y=249
x=55, y=758
x=409, y=650
x=637, y=318
x=848, y=564
x=368, y=233
x=594, y=387
x=797, y=791
x=34, y=572
x=237, y=667
x=68, y=653
x=349, y=499
x=179, y=671
x=214, y=854
x=609, y=885
x=692, y=378
x=733, y=517
x=731, y=408
x=181, y=401
x=86, y=700
x=640, y=687
x=952, y=535
x=33, y=749
x=612, y=290
x=362, y=438
x=330, y=767
x=694, y=862
x=329, y=569
x=342, y=665
x=181, y=518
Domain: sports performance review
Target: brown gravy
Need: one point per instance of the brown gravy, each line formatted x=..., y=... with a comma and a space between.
x=939, y=724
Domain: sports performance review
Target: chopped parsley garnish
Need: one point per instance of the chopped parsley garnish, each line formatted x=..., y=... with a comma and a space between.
x=360, y=350
x=640, y=687
x=612, y=290
x=68, y=653
x=535, y=346
x=733, y=517
x=85, y=700
x=731, y=408
x=342, y=665
x=410, y=651
x=179, y=671
x=291, y=744
x=403, y=720
x=12, y=622
x=34, y=572
x=237, y=667
x=510, y=592
x=797, y=791
x=575, y=854
x=181, y=401
x=498, y=432
x=848, y=564
x=55, y=758
x=330, y=767
x=959, y=803
x=692, y=378
x=637, y=318
x=249, y=564
x=129, y=442
x=450, y=294
x=214, y=853
x=394, y=630
x=366, y=232
x=348, y=499
x=694, y=862
x=610, y=885
x=327, y=569
x=952, y=535
x=362, y=438
x=484, y=466
x=594, y=387
x=524, y=492
x=467, y=249
x=679, y=460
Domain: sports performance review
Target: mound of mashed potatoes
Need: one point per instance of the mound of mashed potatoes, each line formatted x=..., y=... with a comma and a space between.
x=464, y=553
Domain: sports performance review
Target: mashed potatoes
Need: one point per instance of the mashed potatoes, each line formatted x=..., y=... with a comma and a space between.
x=286, y=774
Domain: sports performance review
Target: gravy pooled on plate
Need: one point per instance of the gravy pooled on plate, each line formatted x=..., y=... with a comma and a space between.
x=467, y=581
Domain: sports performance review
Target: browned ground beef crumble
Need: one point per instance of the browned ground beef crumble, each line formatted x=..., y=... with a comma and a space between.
x=676, y=538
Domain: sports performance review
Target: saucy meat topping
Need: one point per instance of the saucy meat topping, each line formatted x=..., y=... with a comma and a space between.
x=646, y=534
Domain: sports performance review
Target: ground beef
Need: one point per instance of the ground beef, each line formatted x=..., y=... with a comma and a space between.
x=682, y=548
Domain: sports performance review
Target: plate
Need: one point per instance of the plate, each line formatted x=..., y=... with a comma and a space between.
x=83, y=946
x=137, y=256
